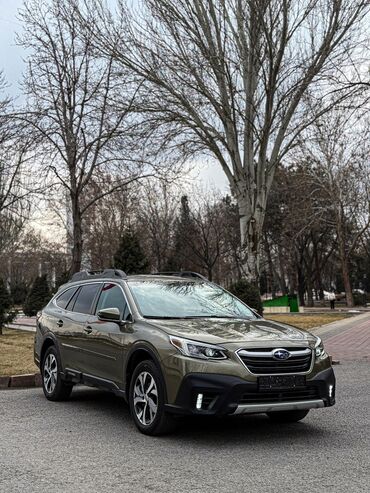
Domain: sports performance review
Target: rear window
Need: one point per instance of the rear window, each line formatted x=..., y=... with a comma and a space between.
x=63, y=299
x=85, y=298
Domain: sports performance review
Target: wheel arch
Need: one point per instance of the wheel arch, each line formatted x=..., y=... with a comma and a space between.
x=49, y=341
x=141, y=352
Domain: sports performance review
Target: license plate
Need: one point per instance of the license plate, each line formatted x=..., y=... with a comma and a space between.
x=281, y=382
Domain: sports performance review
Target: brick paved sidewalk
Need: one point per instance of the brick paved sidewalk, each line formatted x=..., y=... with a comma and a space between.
x=352, y=342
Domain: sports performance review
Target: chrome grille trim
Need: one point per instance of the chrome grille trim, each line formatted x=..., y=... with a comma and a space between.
x=268, y=354
x=298, y=357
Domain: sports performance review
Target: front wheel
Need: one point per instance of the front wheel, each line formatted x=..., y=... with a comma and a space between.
x=55, y=389
x=147, y=400
x=287, y=416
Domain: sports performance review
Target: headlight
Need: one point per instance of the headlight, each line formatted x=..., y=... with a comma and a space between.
x=319, y=348
x=199, y=350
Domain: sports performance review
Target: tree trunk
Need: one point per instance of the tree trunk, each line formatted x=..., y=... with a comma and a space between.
x=347, y=281
x=251, y=223
x=282, y=282
x=301, y=285
x=77, y=237
x=344, y=265
x=318, y=272
x=270, y=267
x=309, y=290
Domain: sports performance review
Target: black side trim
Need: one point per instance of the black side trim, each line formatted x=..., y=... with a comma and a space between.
x=75, y=376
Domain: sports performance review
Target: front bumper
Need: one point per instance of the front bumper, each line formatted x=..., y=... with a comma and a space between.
x=225, y=394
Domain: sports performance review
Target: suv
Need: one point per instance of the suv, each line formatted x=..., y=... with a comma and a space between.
x=175, y=346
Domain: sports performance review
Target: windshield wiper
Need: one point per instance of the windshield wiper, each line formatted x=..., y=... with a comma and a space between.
x=158, y=317
x=189, y=317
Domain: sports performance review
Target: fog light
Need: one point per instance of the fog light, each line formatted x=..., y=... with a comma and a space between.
x=199, y=401
x=331, y=390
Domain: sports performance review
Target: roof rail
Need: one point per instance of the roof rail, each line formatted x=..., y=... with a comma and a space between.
x=183, y=273
x=98, y=274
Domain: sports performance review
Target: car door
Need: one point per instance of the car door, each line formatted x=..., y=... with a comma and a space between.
x=74, y=334
x=107, y=340
x=58, y=321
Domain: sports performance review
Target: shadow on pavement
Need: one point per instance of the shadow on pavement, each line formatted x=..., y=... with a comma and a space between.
x=200, y=430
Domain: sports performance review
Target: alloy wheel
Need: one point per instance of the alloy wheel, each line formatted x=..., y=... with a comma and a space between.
x=145, y=398
x=50, y=373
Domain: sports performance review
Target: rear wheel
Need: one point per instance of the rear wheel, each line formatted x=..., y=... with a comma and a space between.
x=147, y=400
x=55, y=389
x=287, y=416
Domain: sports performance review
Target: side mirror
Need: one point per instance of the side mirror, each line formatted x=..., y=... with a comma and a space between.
x=109, y=314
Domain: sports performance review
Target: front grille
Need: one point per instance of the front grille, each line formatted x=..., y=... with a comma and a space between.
x=261, y=361
x=305, y=394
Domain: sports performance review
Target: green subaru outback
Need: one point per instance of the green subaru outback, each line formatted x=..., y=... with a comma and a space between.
x=174, y=346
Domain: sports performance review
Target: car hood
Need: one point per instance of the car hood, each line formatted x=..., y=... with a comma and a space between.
x=222, y=331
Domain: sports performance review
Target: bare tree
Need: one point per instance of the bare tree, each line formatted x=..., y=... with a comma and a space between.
x=157, y=218
x=72, y=107
x=230, y=78
x=338, y=150
x=15, y=187
x=299, y=241
x=105, y=221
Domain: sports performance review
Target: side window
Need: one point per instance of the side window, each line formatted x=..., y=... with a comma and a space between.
x=85, y=298
x=111, y=296
x=63, y=299
x=71, y=302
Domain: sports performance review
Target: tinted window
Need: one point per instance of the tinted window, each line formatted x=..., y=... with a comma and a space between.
x=111, y=296
x=71, y=302
x=63, y=299
x=85, y=298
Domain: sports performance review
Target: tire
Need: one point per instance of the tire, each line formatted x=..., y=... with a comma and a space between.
x=287, y=416
x=55, y=389
x=147, y=400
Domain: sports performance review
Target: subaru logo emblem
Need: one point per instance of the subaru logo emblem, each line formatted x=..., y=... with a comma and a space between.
x=280, y=354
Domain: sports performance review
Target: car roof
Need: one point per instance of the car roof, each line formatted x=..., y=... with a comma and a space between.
x=157, y=277
x=133, y=277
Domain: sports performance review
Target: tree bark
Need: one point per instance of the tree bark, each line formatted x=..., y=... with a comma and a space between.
x=270, y=267
x=77, y=237
x=345, y=274
x=251, y=224
x=301, y=284
x=318, y=272
x=344, y=260
x=309, y=290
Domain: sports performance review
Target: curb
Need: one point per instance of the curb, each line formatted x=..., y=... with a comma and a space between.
x=334, y=361
x=20, y=381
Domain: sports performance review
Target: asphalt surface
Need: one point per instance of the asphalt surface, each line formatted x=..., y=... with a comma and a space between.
x=89, y=444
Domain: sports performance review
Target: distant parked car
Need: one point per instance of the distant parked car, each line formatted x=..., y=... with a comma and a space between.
x=174, y=346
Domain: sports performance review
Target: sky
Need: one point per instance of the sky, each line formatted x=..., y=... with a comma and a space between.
x=11, y=63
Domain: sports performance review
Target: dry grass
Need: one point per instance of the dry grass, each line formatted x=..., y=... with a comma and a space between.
x=308, y=320
x=16, y=353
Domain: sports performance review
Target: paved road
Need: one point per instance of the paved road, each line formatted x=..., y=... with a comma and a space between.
x=348, y=339
x=89, y=444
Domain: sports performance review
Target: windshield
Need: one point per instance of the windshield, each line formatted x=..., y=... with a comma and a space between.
x=181, y=299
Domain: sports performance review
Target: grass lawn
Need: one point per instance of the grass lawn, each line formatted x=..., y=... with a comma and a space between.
x=16, y=352
x=307, y=320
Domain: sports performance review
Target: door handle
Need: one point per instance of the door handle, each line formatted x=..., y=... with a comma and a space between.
x=60, y=323
x=88, y=329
